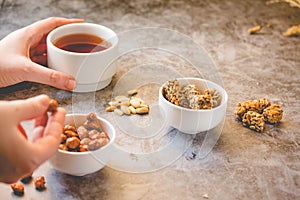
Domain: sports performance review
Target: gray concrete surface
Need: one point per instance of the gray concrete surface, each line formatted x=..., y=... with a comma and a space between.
x=243, y=164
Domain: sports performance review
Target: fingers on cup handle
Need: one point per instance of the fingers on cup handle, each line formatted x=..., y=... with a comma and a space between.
x=50, y=77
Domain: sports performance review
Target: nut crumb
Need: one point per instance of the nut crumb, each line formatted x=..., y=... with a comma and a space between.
x=39, y=183
x=18, y=189
x=254, y=29
x=132, y=92
x=205, y=196
x=292, y=31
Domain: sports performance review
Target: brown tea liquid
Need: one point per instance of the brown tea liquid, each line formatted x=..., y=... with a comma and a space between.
x=82, y=43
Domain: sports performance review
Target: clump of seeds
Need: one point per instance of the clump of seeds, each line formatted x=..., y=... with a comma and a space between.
x=254, y=113
x=189, y=96
x=128, y=105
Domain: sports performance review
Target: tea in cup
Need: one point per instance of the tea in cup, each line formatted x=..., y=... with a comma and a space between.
x=85, y=51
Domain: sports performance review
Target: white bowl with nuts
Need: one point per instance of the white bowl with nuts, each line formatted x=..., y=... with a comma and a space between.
x=192, y=105
x=86, y=144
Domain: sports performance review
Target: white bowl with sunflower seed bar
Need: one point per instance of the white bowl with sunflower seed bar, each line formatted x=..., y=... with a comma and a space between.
x=192, y=105
x=77, y=157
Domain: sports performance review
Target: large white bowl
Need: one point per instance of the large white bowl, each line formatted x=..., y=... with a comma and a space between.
x=83, y=163
x=193, y=121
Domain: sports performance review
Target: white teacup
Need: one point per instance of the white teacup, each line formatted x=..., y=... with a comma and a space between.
x=92, y=71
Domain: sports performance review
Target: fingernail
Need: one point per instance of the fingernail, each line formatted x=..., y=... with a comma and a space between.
x=71, y=84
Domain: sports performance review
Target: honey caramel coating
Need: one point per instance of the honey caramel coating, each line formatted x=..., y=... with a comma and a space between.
x=253, y=105
x=273, y=114
x=254, y=121
x=70, y=127
x=87, y=137
x=18, y=189
x=52, y=106
x=39, y=183
x=63, y=138
x=72, y=142
x=83, y=148
x=70, y=133
x=63, y=147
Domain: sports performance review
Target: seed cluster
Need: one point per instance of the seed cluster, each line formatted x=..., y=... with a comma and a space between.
x=254, y=113
x=190, y=96
x=88, y=136
x=130, y=105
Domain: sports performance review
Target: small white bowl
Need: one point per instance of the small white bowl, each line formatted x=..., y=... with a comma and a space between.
x=83, y=163
x=193, y=121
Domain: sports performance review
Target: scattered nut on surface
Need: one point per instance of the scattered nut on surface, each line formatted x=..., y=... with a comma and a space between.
x=26, y=179
x=292, y=31
x=18, y=189
x=254, y=29
x=131, y=105
x=52, y=106
x=132, y=92
x=39, y=183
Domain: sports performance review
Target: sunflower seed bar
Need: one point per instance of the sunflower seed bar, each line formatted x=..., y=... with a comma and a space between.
x=171, y=91
x=254, y=121
x=253, y=105
x=273, y=114
x=201, y=101
x=216, y=97
x=190, y=96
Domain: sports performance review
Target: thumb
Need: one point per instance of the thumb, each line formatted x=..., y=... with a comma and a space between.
x=29, y=108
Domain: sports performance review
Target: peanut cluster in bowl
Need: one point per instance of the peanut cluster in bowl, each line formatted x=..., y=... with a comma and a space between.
x=88, y=136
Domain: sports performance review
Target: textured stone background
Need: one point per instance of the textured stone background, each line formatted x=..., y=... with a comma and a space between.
x=243, y=164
